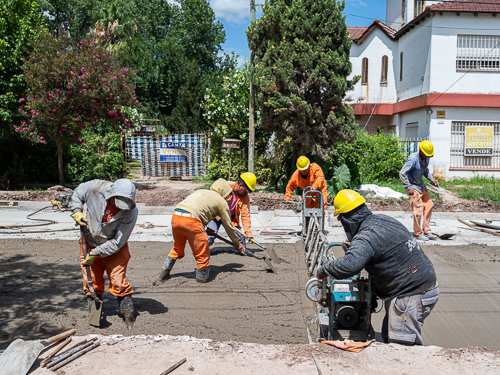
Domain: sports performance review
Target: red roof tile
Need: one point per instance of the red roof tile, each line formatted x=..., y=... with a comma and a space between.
x=356, y=32
x=468, y=6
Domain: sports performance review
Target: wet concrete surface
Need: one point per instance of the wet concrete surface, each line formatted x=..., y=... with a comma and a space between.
x=41, y=294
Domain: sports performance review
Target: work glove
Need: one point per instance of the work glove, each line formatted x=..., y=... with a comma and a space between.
x=79, y=218
x=320, y=273
x=89, y=260
x=240, y=248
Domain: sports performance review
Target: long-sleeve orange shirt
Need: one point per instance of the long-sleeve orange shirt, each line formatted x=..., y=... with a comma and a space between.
x=315, y=178
x=243, y=208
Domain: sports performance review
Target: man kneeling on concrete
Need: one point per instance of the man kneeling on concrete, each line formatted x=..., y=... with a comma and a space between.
x=190, y=216
x=401, y=273
x=109, y=222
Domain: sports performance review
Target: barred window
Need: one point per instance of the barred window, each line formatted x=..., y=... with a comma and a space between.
x=364, y=71
x=460, y=161
x=478, y=52
x=418, y=8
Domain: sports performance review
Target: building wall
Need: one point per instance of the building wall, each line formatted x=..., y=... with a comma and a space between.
x=393, y=13
x=374, y=47
x=444, y=52
x=416, y=49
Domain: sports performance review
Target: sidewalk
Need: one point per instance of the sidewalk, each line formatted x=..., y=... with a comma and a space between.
x=267, y=222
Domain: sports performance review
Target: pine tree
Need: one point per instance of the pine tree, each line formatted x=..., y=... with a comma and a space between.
x=300, y=71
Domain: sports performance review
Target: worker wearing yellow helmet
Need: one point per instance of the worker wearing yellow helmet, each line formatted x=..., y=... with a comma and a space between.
x=402, y=275
x=307, y=174
x=239, y=205
x=416, y=167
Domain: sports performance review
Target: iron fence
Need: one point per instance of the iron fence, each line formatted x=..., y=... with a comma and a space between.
x=409, y=146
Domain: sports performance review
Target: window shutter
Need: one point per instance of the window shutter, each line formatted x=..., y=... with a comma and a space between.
x=385, y=62
x=364, y=71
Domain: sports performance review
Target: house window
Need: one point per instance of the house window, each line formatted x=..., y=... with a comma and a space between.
x=419, y=7
x=478, y=52
x=401, y=66
x=403, y=11
x=457, y=158
x=385, y=63
x=411, y=131
x=364, y=71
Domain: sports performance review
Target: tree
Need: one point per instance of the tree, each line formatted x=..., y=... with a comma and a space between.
x=301, y=68
x=176, y=54
x=19, y=22
x=113, y=29
x=72, y=87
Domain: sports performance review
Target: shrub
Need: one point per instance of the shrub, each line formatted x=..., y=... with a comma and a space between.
x=99, y=156
x=378, y=157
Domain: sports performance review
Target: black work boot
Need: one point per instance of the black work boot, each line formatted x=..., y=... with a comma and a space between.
x=127, y=310
x=202, y=275
x=165, y=272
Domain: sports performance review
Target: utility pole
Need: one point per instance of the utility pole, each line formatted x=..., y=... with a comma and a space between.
x=251, y=106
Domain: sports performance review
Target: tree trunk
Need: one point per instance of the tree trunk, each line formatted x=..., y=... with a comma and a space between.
x=60, y=164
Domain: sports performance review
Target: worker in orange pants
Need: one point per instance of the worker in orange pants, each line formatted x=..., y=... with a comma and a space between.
x=188, y=222
x=107, y=225
x=115, y=267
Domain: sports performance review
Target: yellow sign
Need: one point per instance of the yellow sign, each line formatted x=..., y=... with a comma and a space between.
x=478, y=140
x=440, y=114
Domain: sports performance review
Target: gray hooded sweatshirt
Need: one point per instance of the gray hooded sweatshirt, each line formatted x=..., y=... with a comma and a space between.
x=106, y=238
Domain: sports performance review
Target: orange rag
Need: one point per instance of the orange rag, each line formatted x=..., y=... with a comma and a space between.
x=348, y=345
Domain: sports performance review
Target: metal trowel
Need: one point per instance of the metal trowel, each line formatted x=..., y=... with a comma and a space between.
x=95, y=313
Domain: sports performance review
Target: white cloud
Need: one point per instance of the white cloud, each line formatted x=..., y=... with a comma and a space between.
x=234, y=11
x=357, y=3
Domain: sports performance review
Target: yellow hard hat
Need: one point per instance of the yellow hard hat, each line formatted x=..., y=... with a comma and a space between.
x=302, y=163
x=346, y=201
x=249, y=179
x=427, y=148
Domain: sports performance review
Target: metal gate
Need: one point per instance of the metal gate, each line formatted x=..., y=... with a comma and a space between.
x=457, y=157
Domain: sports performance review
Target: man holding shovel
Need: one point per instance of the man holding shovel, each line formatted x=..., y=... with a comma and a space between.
x=416, y=167
x=239, y=205
x=111, y=217
x=190, y=216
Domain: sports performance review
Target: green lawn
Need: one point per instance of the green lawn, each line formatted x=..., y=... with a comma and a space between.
x=476, y=187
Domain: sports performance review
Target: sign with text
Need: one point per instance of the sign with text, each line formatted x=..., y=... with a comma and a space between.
x=478, y=140
x=173, y=152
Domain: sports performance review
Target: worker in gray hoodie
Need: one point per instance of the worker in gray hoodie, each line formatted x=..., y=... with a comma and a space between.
x=402, y=275
x=110, y=219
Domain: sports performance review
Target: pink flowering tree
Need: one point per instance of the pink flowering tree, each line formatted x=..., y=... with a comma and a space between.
x=72, y=88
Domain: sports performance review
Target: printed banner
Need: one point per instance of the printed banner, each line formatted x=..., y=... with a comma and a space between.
x=478, y=141
x=173, y=152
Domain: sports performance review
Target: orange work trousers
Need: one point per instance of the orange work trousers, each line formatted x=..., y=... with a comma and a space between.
x=185, y=228
x=115, y=267
x=421, y=204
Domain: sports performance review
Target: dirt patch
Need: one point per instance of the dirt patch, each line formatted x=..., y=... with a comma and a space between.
x=169, y=193
x=41, y=294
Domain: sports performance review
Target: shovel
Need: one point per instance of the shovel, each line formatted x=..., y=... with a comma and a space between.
x=445, y=236
x=95, y=314
x=272, y=253
x=248, y=252
x=20, y=355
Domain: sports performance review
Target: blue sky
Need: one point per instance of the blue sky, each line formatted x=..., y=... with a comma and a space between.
x=235, y=16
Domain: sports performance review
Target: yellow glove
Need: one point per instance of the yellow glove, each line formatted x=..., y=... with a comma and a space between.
x=80, y=218
x=89, y=260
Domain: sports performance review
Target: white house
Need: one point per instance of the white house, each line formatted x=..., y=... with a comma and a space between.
x=434, y=73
